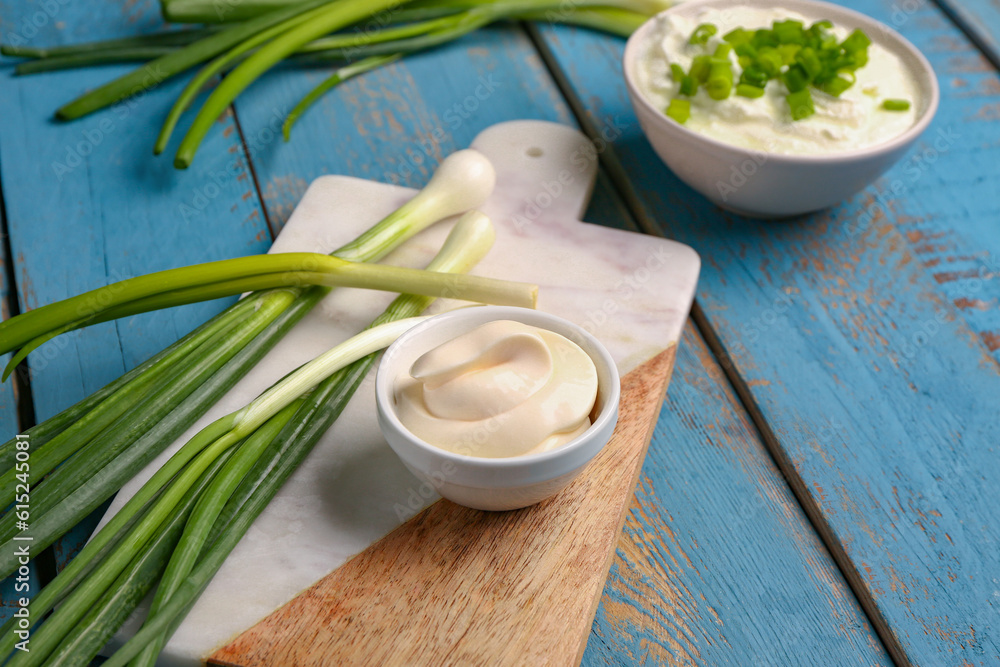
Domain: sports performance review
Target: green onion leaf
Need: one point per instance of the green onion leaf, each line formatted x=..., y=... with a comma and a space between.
x=720, y=81
x=836, y=86
x=856, y=41
x=810, y=62
x=679, y=110
x=769, y=59
x=796, y=78
x=754, y=76
x=800, y=103
x=746, y=90
x=896, y=105
x=689, y=86
x=702, y=33
x=789, y=32
x=700, y=68
x=738, y=36
x=764, y=37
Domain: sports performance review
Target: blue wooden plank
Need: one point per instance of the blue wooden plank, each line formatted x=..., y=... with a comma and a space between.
x=980, y=19
x=88, y=204
x=718, y=563
x=879, y=395
x=395, y=125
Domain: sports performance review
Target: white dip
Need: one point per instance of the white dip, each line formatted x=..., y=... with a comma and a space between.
x=849, y=122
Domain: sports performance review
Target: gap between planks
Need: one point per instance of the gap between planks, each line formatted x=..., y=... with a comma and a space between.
x=633, y=204
x=20, y=378
x=253, y=174
x=45, y=562
x=980, y=38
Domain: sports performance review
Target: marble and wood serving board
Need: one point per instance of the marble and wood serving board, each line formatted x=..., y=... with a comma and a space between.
x=432, y=582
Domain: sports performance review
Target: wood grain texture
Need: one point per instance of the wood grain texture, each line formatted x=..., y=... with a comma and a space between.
x=392, y=125
x=456, y=586
x=395, y=124
x=88, y=204
x=717, y=563
x=980, y=19
x=877, y=392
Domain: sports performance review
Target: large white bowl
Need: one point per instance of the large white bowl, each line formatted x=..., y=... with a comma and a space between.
x=782, y=185
x=485, y=483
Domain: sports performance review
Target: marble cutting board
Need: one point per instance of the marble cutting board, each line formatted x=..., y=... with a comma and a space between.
x=415, y=593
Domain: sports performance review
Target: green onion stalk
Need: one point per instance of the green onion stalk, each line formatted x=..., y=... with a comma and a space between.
x=202, y=282
x=183, y=513
x=255, y=35
x=95, y=446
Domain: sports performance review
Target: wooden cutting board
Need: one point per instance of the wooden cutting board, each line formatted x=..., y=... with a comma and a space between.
x=431, y=582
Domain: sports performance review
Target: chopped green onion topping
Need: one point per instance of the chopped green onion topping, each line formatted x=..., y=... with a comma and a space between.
x=700, y=67
x=856, y=41
x=810, y=62
x=720, y=81
x=746, y=90
x=896, y=105
x=798, y=57
x=796, y=78
x=836, y=86
x=755, y=76
x=769, y=59
x=738, y=36
x=689, y=86
x=702, y=33
x=801, y=104
x=788, y=53
x=679, y=110
x=789, y=32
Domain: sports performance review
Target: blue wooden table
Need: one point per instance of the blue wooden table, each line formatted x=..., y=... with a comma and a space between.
x=821, y=488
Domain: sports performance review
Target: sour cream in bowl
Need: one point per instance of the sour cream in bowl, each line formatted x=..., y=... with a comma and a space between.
x=756, y=148
x=497, y=408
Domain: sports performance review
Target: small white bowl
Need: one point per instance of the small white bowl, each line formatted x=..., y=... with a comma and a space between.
x=486, y=483
x=783, y=185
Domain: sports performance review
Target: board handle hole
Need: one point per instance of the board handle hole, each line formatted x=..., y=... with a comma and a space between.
x=535, y=151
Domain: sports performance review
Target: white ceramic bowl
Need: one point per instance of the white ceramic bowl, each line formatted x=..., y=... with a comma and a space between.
x=484, y=483
x=783, y=185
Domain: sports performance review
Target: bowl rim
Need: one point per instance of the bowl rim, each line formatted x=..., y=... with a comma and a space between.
x=608, y=414
x=887, y=35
